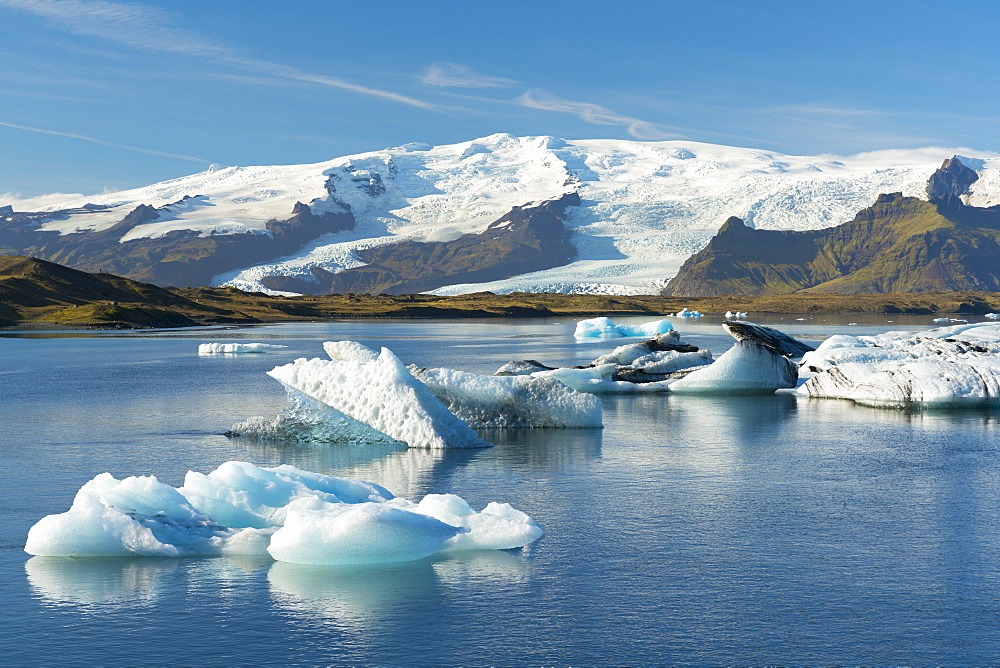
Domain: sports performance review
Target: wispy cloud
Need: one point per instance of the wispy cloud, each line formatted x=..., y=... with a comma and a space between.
x=453, y=75
x=594, y=113
x=94, y=140
x=149, y=29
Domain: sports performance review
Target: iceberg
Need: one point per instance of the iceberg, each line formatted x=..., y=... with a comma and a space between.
x=957, y=365
x=748, y=367
x=236, y=348
x=381, y=393
x=685, y=313
x=604, y=328
x=283, y=512
x=510, y=401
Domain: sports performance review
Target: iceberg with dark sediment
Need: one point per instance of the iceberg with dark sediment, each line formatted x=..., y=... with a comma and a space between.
x=284, y=512
x=237, y=348
x=957, y=365
x=757, y=363
x=747, y=367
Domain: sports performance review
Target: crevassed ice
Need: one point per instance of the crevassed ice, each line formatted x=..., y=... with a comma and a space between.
x=603, y=328
x=285, y=512
x=235, y=348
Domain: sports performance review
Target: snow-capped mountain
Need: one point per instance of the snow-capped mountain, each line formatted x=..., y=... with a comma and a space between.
x=644, y=207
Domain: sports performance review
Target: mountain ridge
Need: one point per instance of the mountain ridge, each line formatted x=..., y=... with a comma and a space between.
x=645, y=208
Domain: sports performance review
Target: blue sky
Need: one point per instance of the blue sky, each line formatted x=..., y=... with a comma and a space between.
x=98, y=95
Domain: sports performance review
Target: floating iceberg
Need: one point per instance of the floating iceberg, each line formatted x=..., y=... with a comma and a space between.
x=945, y=366
x=993, y=316
x=382, y=394
x=604, y=328
x=735, y=314
x=747, y=367
x=757, y=363
x=290, y=514
x=510, y=401
x=685, y=313
x=236, y=348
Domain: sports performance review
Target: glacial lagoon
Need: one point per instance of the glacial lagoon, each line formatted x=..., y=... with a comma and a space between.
x=691, y=529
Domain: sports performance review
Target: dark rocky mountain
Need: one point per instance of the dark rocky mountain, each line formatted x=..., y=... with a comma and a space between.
x=180, y=257
x=528, y=238
x=899, y=244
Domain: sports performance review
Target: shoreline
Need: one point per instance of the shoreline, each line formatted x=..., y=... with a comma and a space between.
x=200, y=307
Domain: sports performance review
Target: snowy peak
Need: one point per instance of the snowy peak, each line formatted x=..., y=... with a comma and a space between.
x=645, y=206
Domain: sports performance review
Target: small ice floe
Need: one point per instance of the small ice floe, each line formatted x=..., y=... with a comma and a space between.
x=685, y=313
x=237, y=348
x=957, y=365
x=283, y=512
x=993, y=316
x=737, y=314
x=949, y=320
x=604, y=328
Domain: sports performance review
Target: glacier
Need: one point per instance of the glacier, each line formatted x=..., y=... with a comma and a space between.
x=647, y=206
x=286, y=513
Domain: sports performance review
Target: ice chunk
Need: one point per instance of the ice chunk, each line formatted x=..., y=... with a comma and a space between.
x=780, y=342
x=236, y=348
x=342, y=351
x=135, y=516
x=747, y=367
x=604, y=328
x=599, y=380
x=521, y=368
x=287, y=513
x=923, y=381
x=510, y=401
x=947, y=365
x=382, y=394
x=242, y=495
x=685, y=313
x=364, y=534
x=993, y=316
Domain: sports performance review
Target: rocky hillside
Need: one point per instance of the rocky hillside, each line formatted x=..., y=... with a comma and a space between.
x=899, y=244
x=389, y=219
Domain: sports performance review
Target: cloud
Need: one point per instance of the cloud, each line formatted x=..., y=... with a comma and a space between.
x=94, y=140
x=454, y=75
x=593, y=113
x=148, y=29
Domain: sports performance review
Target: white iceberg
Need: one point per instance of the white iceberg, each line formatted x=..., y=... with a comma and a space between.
x=747, y=367
x=237, y=348
x=599, y=380
x=604, y=328
x=382, y=394
x=949, y=365
x=685, y=313
x=510, y=401
x=289, y=514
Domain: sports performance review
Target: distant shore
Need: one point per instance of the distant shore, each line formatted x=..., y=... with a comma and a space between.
x=228, y=306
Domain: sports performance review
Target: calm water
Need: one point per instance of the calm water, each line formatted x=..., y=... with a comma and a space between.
x=690, y=530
